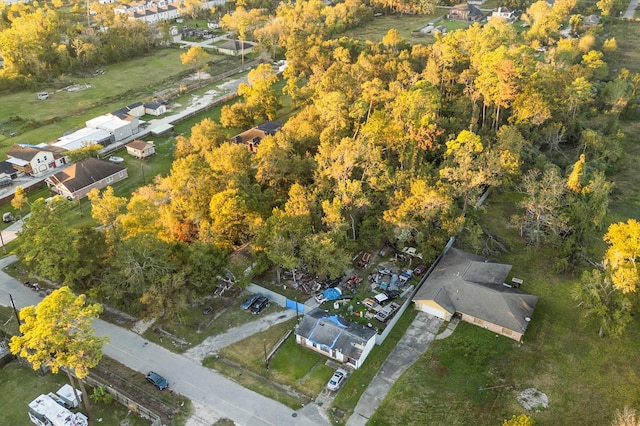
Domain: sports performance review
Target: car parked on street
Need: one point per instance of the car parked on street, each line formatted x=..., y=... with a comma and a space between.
x=157, y=380
x=259, y=305
x=250, y=300
x=337, y=379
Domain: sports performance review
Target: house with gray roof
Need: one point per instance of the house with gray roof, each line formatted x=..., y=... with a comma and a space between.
x=235, y=47
x=77, y=180
x=335, y=337
x=475, y=288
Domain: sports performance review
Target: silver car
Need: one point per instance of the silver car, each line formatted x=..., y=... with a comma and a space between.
x=337, y=379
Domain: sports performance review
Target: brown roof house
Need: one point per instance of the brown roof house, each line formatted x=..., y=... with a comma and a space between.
x=77, y=180
x=335, y=337
x=35, y=160
x=251, y=138
x=465, y=12
x=141, y=149
x=474, y=288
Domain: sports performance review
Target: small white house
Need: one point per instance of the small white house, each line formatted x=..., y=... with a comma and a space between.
x=335, y=337
x=155, y=108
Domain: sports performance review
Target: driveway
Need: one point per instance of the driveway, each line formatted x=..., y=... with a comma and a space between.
x=411, y=346
x=223, y=398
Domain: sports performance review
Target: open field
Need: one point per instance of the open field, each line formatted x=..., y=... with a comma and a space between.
x=124, y=83
x=377, y=28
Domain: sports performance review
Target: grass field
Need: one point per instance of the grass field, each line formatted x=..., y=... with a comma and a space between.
x=123, y=83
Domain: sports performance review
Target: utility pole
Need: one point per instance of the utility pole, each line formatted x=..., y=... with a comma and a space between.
x=2, y=241
x=15, y=311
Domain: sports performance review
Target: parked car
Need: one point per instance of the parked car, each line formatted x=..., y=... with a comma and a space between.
x=387, y=312
x=392, y=294
x=420, y=269
x=157, y=380
x=250, y=300
x=259, y=305
x=337, y=379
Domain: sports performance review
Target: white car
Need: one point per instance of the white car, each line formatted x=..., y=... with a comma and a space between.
x=336, y=380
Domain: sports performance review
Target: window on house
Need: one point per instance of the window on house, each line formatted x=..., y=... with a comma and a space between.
x=121, y=174
x=109, y=179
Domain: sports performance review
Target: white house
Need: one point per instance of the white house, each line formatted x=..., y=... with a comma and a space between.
x=155, y=108
x=35, y=160
x=335, y=337
x=121, y=127
x=83, y=137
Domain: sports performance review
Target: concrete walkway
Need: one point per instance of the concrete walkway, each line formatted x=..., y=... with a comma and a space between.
x=234, y=335
x=631, y=10
x=411, y=346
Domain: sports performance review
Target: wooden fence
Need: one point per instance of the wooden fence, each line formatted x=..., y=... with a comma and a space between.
x=132, y=405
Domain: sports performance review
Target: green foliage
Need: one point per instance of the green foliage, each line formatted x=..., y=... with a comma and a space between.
x=84, y=152
x=101, y=395
x=520, y=420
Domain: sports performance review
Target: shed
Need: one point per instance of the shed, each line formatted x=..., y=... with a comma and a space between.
x=141, y=149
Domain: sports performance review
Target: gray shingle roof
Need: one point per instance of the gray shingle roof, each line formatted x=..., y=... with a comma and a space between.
x=85, y=173
x=473, y=285
x=332, y=331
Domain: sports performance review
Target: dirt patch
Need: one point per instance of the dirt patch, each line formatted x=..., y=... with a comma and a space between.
x=533, y=399
x=133, y=385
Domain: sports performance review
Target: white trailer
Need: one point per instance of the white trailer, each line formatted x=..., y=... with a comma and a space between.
x=66, y=394
x=44, y=411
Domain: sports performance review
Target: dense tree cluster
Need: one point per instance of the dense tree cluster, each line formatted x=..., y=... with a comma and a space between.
x=390, y=142
x=42, y=43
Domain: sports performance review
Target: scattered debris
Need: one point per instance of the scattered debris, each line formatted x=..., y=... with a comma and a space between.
x=533, y=399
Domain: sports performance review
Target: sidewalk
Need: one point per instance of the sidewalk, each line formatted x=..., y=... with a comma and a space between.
x=215, y=343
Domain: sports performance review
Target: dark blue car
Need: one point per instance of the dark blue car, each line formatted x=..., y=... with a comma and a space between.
x=157, y=380
x=249, y=301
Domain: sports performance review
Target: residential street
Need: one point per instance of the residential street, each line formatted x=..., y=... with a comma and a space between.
x=224, y=398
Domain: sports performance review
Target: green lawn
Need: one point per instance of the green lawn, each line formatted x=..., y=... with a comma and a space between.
x=587, y=378
x=20, y=385
x=378, y=27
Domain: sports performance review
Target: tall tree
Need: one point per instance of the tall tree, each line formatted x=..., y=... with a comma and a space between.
x=19, y=200
x=242, y=21
x=600, y=299
x=48, y=248
x=58, y=333
x=623, y=253
x=196, y=57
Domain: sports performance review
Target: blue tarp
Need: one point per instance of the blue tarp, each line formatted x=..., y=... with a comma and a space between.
x=332, y=294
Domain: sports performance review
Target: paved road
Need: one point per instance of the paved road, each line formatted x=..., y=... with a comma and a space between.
x=223, y=397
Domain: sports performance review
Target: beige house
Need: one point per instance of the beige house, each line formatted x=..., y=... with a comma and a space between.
x=235, y=48
x=141, y=149
x=77, y=180
x=465, y=12
x=475, y=288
